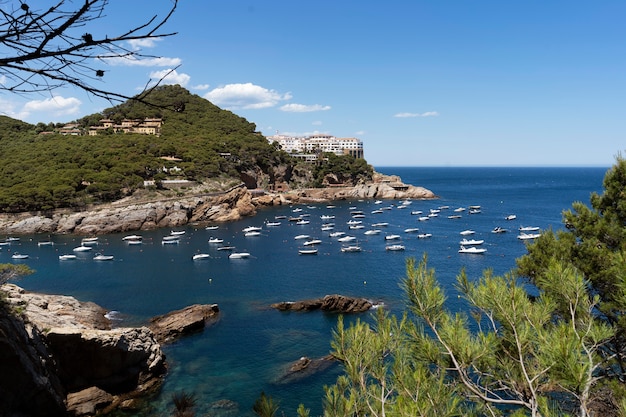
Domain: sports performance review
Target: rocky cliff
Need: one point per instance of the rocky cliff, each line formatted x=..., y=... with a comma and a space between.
x=58, y=355
x=230, y=206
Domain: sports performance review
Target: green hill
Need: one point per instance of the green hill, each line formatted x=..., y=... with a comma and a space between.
x=198, y=141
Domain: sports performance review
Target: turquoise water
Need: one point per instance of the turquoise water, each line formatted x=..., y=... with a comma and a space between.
x=246, y=352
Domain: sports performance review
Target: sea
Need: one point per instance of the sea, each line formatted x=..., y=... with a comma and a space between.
x=228, y=365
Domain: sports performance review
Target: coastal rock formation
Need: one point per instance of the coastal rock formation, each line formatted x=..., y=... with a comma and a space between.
x=303, y=368
x=332, y=303
x=59, y=347
x=116, y=218
x=181, y=322
x=124, y=216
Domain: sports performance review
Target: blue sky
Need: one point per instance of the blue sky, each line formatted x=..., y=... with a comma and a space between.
x=421, y=83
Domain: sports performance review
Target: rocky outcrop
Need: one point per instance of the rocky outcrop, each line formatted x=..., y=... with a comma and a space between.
x=129, y=217
x=331, y=303
x=303, y=368
x=60, y=348
x=177, y=323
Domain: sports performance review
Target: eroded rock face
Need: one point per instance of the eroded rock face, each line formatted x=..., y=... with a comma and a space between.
x=332, y=303
x=181, y=322
x=62, y=346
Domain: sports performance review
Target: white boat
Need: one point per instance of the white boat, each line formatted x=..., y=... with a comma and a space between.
x=312, y=242
x=459, y=209
x=454, y=216
x=327, y=228
x=297, y=210
x=472, y=249
x=372, y=232
x=424, y=235
x=239, y=255
x=381, y=224
x=330, y=206
x=170, y=238
x=101, y=257
x=200, y=256
x=353, y=222
x=82, y=248
x=177, y=232
x=272, y=224
x=19, y=256
x=474, y=207
x=45, y=243
x=12, y=239
x=358, y=216
x=416, y=212
x=89, y=239
x=411, y=230
x=379, y=211
x=471, y=242
x=252, y=233
x=226, y=248
x=134, y=242
x=89, y=242
x=510, y=217
x=252, y=229
x=357, y=226
x=378, y=202
x=528, y=236
x=392, y=237
x=67, y=257
x=394, y=247
x=299, y=237
x=423, y=218
x=336, y=234
x=528, y=228
x=475, y=211
x=215, y=240
x=132, y=237
x=351, y=248
x=498, y=229
x=327, y=217
x=346, y=239
x=302, y=222
x=170, y=241
x=467, y=232
x=434, y=211
x=307, y=251
x=211, y=227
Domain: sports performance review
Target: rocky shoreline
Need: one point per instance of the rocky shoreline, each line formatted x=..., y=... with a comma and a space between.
x=230, y=206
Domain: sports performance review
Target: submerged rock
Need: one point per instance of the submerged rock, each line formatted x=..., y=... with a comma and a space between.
x=332, y=303
x=303, y=368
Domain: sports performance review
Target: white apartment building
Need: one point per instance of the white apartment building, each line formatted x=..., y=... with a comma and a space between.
x=320, y=142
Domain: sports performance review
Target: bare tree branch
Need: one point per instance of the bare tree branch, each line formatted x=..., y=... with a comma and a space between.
x=42, y=50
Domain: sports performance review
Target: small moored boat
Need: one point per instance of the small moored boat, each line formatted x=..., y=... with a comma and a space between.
x=101, y=257
x=17, y=255
x=307, y=251
x=67, y=257
x=239, y=255
x=200, y=256
x=394, y=248
x=472, y=249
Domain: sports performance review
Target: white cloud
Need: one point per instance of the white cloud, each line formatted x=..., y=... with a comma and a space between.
x=317, y=123
x=201, y=87
x=8, y=108
x=137, y=44
x=303, y=108
x=57, y=105
x=245, y=96
x=425, y=114
x=170, y=77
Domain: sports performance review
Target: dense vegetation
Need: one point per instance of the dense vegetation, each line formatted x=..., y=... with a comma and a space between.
x=46, y=171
